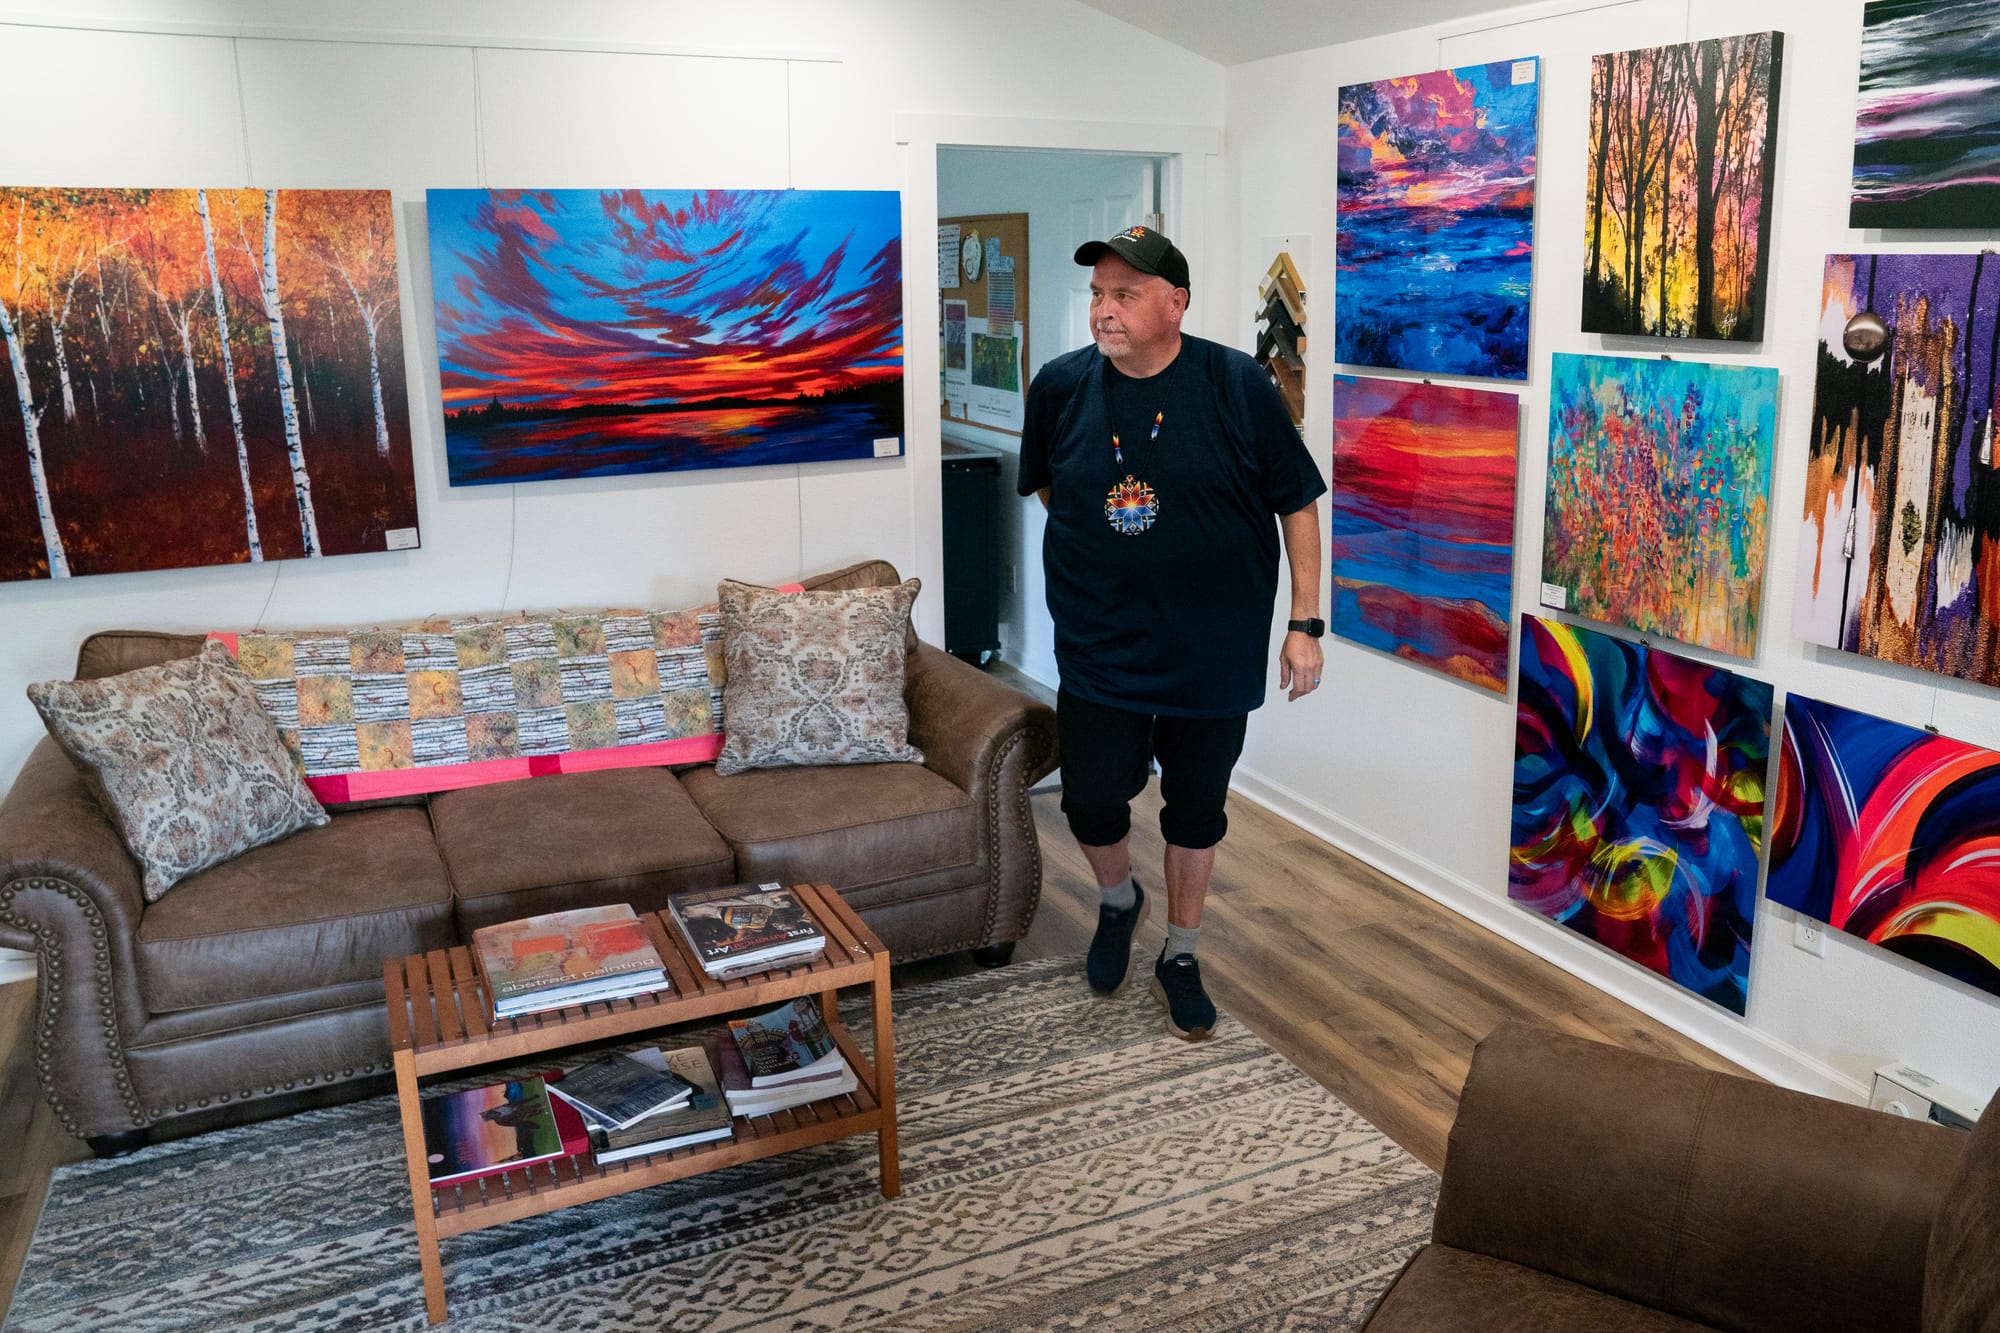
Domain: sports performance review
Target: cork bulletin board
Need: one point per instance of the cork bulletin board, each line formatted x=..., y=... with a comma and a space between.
x=983, y=285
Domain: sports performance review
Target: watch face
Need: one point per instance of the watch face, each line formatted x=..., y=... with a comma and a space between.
x=971, y=253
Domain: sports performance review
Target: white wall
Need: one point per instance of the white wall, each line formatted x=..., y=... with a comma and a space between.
x=1069, y=198
x=515, y=93
x=1413, y=770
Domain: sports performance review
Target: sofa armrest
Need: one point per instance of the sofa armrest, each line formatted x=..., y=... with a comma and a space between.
x=1720, y=1199
x=69, y=894
x=992, y=742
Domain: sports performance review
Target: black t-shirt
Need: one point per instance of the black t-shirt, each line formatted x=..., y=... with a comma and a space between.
x=1168, y=609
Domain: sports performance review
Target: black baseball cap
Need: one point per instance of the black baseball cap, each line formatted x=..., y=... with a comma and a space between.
x=1144, y=249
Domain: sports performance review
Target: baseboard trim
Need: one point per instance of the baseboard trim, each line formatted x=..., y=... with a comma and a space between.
x=16, y=966
x=1727, y=1036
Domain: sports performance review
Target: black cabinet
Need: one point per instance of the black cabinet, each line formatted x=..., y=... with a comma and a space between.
x=971, y=551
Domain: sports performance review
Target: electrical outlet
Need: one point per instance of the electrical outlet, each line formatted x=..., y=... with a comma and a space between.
x=1809, y=936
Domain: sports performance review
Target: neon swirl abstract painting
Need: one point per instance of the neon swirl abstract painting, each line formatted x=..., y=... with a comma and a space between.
x=1658, y=507
x=1927, y=133
x=1891, y=834
x=1423, y=523
x=1435, y=220
x=1639, y=803
x=592, y=333
x=1677, y=218
x=1899, y=544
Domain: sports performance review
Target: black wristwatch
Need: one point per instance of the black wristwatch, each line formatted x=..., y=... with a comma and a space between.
x=1312, y=629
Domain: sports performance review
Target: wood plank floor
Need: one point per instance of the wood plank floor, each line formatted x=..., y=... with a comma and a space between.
x=1373, y=989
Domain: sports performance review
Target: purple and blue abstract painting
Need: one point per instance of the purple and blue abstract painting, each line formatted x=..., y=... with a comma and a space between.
x=1435, y=214
x=1927, y=134
x=1639, y=803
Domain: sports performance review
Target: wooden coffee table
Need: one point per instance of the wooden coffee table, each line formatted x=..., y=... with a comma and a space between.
x=441, y=1019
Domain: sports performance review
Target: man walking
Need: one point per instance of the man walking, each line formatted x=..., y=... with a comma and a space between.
x=1169, y=468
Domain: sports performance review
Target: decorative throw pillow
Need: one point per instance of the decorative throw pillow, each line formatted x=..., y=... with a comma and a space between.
x=814, y=677
x=445, y=703
x=184, y=760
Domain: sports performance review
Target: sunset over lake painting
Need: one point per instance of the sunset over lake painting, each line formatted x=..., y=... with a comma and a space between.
x=1422, y=538
x=1435, y=220
x=590, y=333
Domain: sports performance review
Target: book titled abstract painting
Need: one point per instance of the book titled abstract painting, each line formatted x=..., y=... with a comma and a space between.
x=1888, y=833
x=1423, y=523
x=1677, y=217
x=1927, y=133
x=1639, y=803
x=590, y=333
x=1658, y=495
x=1900, y=539
x=200, y=377
x=1435, y=217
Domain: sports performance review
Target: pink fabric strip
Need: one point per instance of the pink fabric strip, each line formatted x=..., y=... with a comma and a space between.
x=446, y=777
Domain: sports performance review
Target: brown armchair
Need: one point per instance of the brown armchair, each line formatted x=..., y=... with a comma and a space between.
x=1588, y=1187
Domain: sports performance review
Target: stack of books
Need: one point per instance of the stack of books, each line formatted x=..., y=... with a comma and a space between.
x=618, y=1091
x=698, y=1117
x=565, y=958
x=738, y=930
x=783, y=1058
x=496, y=1128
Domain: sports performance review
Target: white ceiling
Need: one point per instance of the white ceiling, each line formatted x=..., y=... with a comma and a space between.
x=1233, y=31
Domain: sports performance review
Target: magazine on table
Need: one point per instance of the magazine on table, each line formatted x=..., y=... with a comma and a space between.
x=499, y=1127
x=563, y=958
x=703, y=1118
x=785, y=1044
x=733, y=928
x=746, y=1100
x=615, y=1090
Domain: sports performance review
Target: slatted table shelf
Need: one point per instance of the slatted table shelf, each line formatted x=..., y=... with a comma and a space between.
x=441, y=1019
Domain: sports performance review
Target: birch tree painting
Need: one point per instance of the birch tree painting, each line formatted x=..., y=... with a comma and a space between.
x=146, y=327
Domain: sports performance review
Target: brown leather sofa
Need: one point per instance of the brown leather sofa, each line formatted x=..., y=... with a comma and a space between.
x=254, y=988
x=1591, y=1188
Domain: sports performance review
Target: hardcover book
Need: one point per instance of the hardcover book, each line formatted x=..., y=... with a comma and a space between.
x=617, y=1090
x=786, y=1043
x=734, y=927
x=702, y=1118
x=590, y=953
x=496, y=1128
x=747, y=1100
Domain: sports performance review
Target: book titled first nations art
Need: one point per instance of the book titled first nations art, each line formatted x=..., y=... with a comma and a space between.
x=565, y=958
x=739, y=928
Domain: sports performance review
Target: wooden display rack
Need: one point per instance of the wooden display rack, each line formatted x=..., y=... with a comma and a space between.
x=441, y=1019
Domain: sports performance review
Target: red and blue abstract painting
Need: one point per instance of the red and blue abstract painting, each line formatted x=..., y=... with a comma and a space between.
x=591, y=333
x=1639, y=781
x=1891, y=834
x=1423, y=523
x=1435, y=220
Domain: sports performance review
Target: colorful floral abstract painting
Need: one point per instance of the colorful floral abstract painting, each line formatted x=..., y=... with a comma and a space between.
x=1677, y=218
x=1639, y=802
x=231, y=359
x=1927, y=132
x=1423, y=523
x=1658, y=504
x=1889, y=833
x=1435, y=218
x=1900, y=539
x=590, y=333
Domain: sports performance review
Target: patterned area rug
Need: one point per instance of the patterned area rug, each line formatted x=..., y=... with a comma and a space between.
x=1066, y=1164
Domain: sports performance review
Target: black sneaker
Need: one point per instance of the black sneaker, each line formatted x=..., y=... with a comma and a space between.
x=1177, y=985
x=1110, y=956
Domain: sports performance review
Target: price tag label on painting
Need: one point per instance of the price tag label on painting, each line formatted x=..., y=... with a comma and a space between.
x=401, y=539
x=889, y=448
x=1555, y=595
x=1524, y=72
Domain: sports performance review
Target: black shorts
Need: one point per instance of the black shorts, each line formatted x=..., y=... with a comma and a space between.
x=1104, y=754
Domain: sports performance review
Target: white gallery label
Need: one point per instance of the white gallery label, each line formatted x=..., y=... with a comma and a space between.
x=890, y=447
x=1524, y=72
x=1554, y=594
x=401, y=539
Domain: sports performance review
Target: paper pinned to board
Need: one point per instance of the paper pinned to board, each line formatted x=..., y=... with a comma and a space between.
x=1000, y=298
x=947, y=256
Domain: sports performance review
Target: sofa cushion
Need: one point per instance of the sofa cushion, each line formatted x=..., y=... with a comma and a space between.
x=182, y=759
x=859, y=826
x=1444, y=1289
x=1962, y=1271
x=815, y=677
x=626, y=835
x=321, y=908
